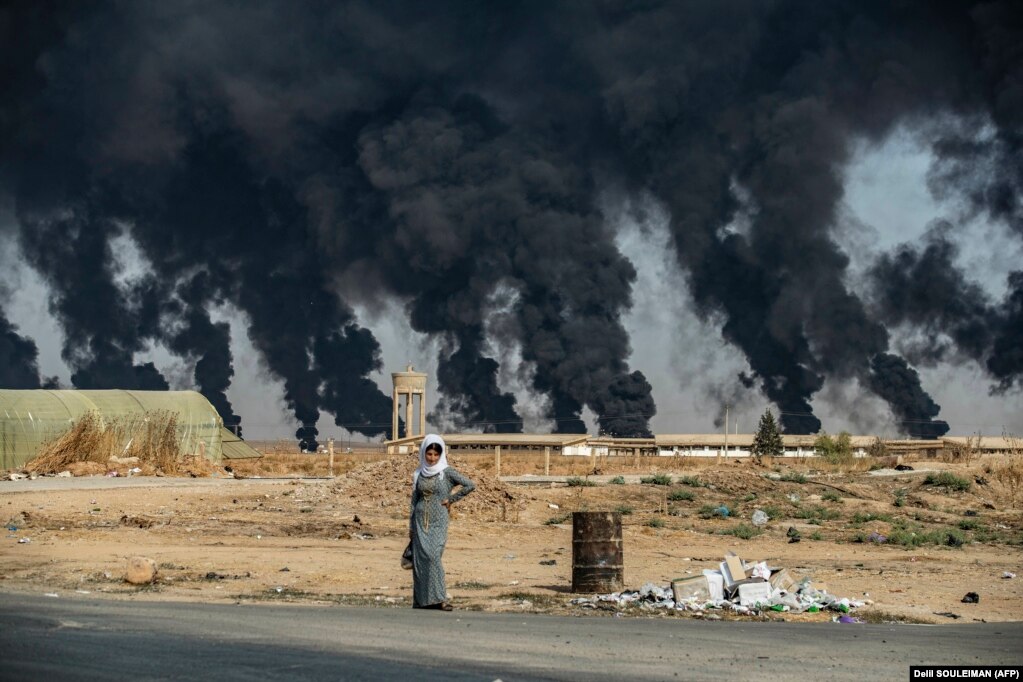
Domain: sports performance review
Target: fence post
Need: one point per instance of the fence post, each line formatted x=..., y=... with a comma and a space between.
x=330, y=459
x=547, y=461
x=497, y=461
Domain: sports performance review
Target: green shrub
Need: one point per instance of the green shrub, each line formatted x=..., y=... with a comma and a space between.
x=773, y=511
x=816, y=535
x=709, y=511
x=656, y=479
x=679, y=495
x=864, y=517
x=947, y=479
x=793, y=477
x=617, y=480
x=691, y=481
x=575, y=481
x=743, y=531
x=969, y=524
x=900, y=498
x=831, y=497
x=816, y=514
x=655, y=523
x=555, y=520
x=949, y=537
x=836, y=450
x=624, y=509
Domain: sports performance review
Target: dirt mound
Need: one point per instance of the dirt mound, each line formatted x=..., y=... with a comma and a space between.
x=389, y=483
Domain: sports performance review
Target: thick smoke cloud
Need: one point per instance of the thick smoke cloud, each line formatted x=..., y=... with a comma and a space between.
x=287, y=161
x=18, y=357
x=924, y=288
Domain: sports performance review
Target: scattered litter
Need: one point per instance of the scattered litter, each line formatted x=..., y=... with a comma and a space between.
x=737, y=586
x=24, y=541
x=278, y=589
x=549, y=562
x=759, y=518
x=284, y=570
x=64, y=474
x=553, y=506
x=848, y=619
x=948, y=614
x=16, y=477
x=877, y=538
x=793, y=497
x=1008, y=575
x=509, y=557
x=134, y=471
x=971, y=598
x=903, y=467
x=793, y=534
x=723, y=511
x=51, y=594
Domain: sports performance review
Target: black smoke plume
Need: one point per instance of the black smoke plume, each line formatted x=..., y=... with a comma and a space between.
x=285, y=162
x=18, y=357
x=923, y=287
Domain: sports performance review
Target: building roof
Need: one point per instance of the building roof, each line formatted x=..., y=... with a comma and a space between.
x=1009, y=443
x=510, y=439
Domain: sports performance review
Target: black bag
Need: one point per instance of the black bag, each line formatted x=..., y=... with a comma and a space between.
x=406, y=557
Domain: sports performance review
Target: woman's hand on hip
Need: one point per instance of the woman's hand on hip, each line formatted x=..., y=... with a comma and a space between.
x=447, y=505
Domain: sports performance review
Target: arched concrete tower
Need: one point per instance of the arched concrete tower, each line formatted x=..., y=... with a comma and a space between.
x=410, y=384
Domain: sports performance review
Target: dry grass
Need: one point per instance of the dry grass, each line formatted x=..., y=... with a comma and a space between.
x=311, y=465
x=1010, y=475
x=148, y=440
x=512, y=463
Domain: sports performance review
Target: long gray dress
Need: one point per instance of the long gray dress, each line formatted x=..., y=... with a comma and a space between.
x=429, y=525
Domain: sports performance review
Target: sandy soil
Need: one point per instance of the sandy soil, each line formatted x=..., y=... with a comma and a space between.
x=339, y=540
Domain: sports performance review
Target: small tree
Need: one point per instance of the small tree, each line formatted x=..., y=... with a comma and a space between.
x=834, y=450
x=767, y=442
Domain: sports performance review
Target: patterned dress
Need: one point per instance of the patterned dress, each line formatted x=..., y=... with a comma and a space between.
x=429, y=525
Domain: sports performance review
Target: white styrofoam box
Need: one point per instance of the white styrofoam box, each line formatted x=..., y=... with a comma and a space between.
x=751, y=593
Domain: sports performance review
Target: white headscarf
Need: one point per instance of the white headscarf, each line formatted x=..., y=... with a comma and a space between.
x=438, y=468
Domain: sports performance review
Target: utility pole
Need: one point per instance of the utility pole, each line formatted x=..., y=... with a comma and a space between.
x=726, y=430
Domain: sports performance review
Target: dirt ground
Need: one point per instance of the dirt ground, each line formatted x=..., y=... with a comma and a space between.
x=339, y=540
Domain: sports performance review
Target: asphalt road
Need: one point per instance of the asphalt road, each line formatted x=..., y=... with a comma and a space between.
x=64, y=638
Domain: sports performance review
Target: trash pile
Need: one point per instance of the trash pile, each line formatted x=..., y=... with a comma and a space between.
x=738, y=586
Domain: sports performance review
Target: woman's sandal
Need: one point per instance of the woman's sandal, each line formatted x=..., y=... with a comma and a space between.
x=444, y=606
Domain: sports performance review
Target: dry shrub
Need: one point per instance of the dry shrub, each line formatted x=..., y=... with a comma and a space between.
x=877, y=448
x=961, y=453
x=1010, y=475
x=91, y=443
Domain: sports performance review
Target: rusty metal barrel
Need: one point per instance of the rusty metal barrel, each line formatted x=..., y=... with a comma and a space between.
x=598, y=560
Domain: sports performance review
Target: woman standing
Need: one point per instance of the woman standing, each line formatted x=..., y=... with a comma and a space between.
x=432, y=483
